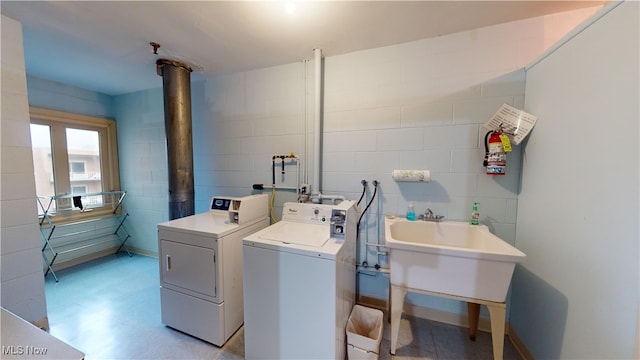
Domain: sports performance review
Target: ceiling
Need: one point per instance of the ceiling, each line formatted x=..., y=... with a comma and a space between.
x=105, y=45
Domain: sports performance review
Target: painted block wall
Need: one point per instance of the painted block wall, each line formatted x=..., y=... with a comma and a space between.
x=143, y=165
x=22, y=281
x=418, y=105
x=380, y=114
x=577, y=295
x=240, y=120
x=53, y=95
x=246, y=119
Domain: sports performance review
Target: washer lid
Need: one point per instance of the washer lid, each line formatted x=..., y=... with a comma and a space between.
x=313, y=235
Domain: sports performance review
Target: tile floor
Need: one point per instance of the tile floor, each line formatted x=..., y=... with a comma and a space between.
x=109, y=308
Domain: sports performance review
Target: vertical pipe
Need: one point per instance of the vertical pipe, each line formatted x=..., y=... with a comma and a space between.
x=176, y=84
x=305, y=175
x=315, y=187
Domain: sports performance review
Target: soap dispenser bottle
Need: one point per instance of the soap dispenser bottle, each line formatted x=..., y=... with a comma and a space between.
x=475, y=214
x=411, y=212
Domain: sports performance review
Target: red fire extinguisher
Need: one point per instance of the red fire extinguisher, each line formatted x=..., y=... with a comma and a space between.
x=495, y=156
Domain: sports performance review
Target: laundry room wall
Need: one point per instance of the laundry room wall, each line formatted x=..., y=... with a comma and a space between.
x=144, y=174
x=48, y=94
x=143, y=165
x=247, y=118
x=577, y=294
x=21, y=281
x=418, y=105
x=240, y=120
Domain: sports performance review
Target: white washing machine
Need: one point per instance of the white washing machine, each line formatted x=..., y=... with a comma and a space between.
x=201, y=267
x=299, y=283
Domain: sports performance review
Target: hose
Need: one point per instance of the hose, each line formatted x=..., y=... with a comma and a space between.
x=375, y=190
x=486, y=149
x=364, y=189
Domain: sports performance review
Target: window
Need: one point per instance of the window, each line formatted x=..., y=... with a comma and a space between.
x=76, y=190
x=77, y=168
x=73, y=154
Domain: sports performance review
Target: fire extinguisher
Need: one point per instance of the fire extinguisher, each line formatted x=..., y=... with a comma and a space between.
x=495, y=158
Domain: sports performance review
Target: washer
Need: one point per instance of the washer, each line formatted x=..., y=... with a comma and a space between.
x=201, y=267
x=299, y=283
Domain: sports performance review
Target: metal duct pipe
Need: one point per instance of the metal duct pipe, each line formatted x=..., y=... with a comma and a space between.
x=176, y=84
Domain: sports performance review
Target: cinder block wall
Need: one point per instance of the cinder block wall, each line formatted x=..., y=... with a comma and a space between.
x=22, y=279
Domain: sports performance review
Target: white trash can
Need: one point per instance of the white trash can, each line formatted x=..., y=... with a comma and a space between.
x=364, y=333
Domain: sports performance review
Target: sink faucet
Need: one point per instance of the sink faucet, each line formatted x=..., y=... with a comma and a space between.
x=430, y=216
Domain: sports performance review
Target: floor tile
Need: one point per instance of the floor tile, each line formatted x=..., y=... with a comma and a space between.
x=109, y=308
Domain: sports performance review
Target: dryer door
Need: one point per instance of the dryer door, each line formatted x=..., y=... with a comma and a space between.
x=189, y=269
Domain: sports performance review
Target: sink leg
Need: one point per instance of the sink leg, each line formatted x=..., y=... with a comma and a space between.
x=397, y=301
x=497, y=315
x=473, y=311
x=389, y=305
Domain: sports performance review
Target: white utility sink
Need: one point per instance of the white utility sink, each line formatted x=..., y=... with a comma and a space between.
x=454, y=260
x=450, y=257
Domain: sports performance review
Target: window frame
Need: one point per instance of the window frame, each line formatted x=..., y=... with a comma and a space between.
x=59, y=121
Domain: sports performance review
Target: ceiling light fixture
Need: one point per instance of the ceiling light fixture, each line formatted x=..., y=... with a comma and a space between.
x=290, y=7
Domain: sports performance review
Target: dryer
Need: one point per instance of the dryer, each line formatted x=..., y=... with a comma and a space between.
x=200, y=260
x=299, y=283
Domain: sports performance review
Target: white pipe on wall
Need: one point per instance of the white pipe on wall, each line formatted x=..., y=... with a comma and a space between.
x=315, y=184
x=305, y=175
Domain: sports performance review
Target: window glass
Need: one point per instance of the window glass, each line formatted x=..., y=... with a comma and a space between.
x=83, y=149
x=76, y=190
x=42, y=162
x=77, y=167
